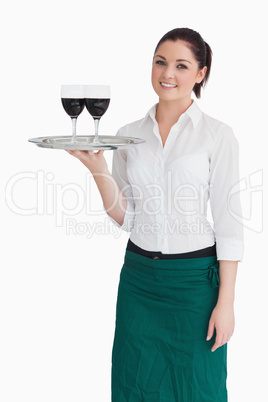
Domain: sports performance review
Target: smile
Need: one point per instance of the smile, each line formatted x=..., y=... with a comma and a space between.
x=166, y=85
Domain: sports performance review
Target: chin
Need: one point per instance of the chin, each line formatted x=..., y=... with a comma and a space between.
x=170, y=98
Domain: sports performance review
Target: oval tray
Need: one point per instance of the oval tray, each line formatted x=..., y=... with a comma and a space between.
x=85, y=142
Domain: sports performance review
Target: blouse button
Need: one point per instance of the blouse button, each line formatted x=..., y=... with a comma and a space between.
x=156, y=258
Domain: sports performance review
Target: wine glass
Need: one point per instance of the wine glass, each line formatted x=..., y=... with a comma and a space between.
x=97, y=99
x=73, y=102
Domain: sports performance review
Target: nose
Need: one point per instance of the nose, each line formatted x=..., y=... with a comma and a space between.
x=169, y=72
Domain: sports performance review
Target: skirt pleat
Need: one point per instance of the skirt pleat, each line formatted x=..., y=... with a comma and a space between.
x=160, y=352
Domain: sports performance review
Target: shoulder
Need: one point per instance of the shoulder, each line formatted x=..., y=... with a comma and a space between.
x=138, y=128
x=218, y=130
x=215, y=125
x=129, y=130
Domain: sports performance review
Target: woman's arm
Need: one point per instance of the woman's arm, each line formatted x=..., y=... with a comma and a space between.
x=225, y=206
x=224, y=196
x=222, y=318
x=227, y=273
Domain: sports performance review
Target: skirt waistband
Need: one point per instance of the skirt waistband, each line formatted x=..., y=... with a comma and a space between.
x=176, y=267
x=184, y=263
x=204, y=252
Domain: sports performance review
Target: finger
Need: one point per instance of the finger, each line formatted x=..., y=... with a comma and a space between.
x=210, y=330
x=218, y=342
x=73, y=153
x=228, y=338
x=225, y=339
x=83, y=155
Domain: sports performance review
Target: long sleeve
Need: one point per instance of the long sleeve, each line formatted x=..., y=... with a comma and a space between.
x=119, y=173
x=224, y=196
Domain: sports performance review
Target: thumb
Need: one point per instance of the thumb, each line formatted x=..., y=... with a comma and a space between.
x=210, y=330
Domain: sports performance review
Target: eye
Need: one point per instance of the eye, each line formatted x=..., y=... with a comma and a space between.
x=181, y=66
x=160, y=62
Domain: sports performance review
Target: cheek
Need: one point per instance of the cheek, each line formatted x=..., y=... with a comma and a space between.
x=154, y=72
x=155, y=75
x=185, y=79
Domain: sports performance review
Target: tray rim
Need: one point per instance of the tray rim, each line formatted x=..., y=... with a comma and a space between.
x=40, y=142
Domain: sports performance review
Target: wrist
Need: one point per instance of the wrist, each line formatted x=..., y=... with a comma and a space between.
x=226, y=299
x=101, y=174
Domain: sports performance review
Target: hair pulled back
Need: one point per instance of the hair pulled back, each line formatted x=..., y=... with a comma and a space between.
x=201, y=50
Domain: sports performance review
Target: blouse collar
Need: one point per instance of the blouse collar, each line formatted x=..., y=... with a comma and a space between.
x=193, y=112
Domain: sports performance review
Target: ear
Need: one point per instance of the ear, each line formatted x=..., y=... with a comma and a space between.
x=201, y=75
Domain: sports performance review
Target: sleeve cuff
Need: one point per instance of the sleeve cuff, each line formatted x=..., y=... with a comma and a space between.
x=229, y=249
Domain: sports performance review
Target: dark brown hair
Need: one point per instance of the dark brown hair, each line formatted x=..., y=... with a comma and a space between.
x=200, y=49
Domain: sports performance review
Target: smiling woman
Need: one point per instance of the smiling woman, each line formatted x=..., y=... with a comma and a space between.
x=167, y=310
x=199, y=53
x=177, y=282
x=175, y=70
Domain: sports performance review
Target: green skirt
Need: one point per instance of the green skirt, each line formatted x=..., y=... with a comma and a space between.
x=160, y=352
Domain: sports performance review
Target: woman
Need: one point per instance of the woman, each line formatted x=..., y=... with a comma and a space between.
x=175, y=306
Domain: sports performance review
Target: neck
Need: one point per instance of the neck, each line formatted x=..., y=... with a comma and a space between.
x=169, y=112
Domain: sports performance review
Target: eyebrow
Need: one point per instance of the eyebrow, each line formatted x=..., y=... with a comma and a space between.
x=161, y=57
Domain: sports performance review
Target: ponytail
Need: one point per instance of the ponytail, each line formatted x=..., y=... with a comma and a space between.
x=208, y=61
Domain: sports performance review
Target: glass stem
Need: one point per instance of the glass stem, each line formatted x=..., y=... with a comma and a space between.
x=96, y=138
x=74, y=119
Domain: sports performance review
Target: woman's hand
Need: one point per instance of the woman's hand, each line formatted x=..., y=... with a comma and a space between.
x=223, y=320
x=94, y=161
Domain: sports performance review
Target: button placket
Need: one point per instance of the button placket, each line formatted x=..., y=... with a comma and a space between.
x=159, y=193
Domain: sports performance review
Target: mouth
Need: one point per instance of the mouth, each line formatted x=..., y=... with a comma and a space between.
x=168, y=86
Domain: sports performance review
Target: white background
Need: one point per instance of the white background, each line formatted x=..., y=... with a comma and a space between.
x=57, y=286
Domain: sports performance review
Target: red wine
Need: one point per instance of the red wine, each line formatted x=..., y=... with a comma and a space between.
x=73, y=107
x=97, y=107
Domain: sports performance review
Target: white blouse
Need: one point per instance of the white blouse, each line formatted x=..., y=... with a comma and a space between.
x=167, y=188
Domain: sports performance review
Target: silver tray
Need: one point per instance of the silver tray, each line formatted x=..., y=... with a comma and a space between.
x=85, y=142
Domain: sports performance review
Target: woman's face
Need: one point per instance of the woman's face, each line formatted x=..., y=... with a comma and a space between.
x=175, y=71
